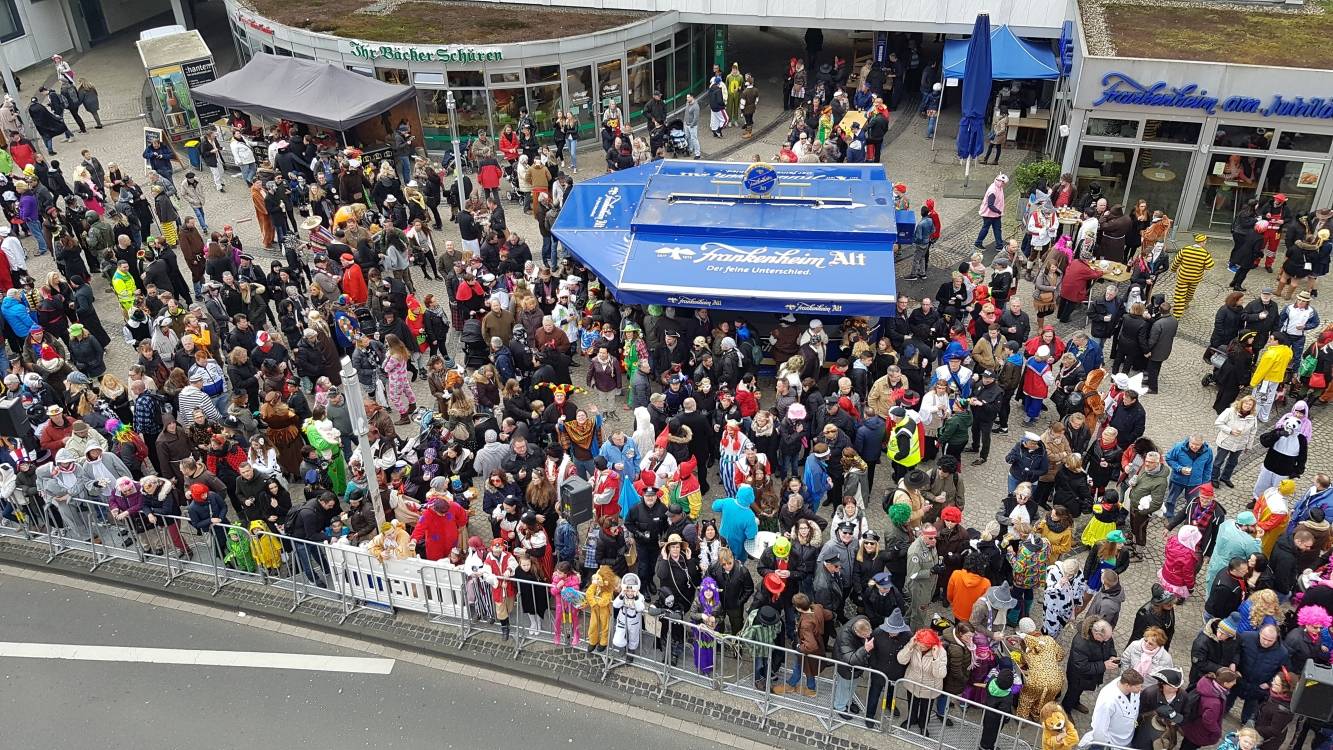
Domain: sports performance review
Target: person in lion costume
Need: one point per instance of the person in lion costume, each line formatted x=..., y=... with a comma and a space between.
x=1057, y=731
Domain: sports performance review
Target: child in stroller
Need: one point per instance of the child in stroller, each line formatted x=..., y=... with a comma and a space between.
x=677, y=142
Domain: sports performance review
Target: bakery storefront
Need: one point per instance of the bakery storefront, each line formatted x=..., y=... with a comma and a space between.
x=1198, y=139
x=491, y=83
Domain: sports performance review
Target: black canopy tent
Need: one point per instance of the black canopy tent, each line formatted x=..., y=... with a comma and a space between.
x=316, y=93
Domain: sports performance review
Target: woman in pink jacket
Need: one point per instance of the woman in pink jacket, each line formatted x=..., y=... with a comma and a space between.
x=1181, y=564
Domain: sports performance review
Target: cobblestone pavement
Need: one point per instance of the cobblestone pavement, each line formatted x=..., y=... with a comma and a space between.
x=1182, y=406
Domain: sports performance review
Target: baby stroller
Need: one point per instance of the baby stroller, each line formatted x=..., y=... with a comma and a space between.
x=677, y=142
x=476, y=351
x=511, y=174
x=366, y=321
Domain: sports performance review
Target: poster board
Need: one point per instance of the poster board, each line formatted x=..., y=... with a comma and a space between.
x=171, y=93
x=197, y=73
x=149, y=134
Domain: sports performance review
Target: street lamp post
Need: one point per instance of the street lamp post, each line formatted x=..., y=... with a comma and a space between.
x=356, y=412
x=452, y=106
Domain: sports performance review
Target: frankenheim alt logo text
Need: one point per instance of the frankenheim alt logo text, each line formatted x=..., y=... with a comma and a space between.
x=760, y=257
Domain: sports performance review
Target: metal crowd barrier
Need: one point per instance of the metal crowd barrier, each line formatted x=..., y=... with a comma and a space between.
x=955, y=723
x=673, y=648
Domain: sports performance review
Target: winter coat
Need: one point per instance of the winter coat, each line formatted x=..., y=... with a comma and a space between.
x=810, y=637
x=1072, y=490
x=1134, y=654
x=440, y=532
x=850, y=650
x=1209, y=654
x=1027, y=465
x=1161, y=336
x=1077, y=279
x=1086, y=667
x=1272, y=721
x=1206, y=727
x=1200, y=465
x=734, y=588
x=1301, y=649
x=1132, y=342
x=1229, y=421
x=1227, y=325
x=924, y=672
x=1180, y=564
x=1257, y=665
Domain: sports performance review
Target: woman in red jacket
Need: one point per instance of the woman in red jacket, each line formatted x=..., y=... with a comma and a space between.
x=488, y=177
x=509, y=144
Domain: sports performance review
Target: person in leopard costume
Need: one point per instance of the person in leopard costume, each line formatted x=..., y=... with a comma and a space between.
x=1043, y=670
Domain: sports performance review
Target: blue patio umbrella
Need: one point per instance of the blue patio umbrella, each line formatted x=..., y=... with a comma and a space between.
x=976, y=95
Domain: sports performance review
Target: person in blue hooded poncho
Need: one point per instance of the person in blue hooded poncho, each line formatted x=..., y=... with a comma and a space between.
x=817, y=482
x=739, y=524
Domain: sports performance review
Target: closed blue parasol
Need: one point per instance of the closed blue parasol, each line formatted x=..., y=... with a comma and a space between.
x=976, y=94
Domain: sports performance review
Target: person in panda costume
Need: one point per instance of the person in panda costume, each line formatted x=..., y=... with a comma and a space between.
x=629, y=606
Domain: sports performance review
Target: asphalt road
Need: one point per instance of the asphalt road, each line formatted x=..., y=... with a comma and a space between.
x=115, y=705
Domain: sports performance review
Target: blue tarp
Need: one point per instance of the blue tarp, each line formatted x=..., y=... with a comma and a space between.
x=688, y=234
x=1012, y=59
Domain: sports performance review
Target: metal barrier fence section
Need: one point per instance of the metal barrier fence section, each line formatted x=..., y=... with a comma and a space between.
x=675, y=648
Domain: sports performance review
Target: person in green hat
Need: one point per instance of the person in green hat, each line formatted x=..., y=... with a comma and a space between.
x=634, y=356
x=85, y=352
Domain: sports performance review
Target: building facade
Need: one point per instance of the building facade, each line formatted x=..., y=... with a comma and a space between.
x=490, y=84
x=1198, y=139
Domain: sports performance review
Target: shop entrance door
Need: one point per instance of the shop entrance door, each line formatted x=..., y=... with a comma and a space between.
x=581, y=99
x=611, y=89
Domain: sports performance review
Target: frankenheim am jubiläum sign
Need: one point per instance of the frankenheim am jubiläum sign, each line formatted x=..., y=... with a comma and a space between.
x=1118, y=88
x=425, y=54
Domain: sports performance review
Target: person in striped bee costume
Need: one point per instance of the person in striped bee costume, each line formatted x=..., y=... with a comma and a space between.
x=1190, y=264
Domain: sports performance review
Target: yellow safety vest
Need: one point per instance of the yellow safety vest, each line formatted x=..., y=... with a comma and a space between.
x=914, y=454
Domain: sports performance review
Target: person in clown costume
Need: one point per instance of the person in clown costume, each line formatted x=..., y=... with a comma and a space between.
x=731, y=450
x=1272, y=509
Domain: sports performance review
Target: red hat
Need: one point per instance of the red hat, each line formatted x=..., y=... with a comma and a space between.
x=348, y=257
x=898, y=187
x=1206, y=489
x=1280, y=198
x=952, y=514
x=930, y=204
x=199, y=491
x=774, y=584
